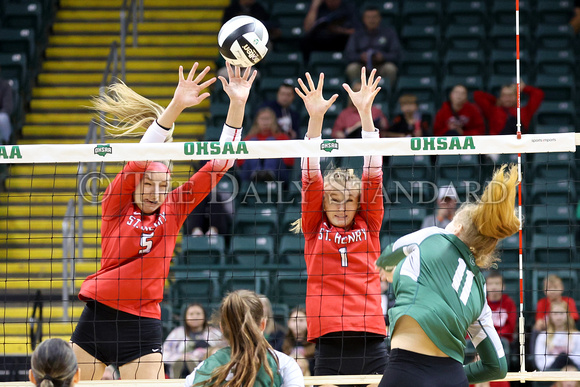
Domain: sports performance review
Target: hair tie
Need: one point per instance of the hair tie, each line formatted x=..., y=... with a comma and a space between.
x=47, y=377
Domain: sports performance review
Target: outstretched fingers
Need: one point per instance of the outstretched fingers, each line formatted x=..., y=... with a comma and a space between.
x=192, y=71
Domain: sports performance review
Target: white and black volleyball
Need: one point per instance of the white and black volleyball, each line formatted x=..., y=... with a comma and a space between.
x=242, y=41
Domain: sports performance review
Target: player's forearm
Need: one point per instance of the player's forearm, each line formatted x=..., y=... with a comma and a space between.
x=235, y=117
x=169, y=116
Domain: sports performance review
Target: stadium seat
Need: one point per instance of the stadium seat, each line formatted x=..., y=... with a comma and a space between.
x=14, y=66
x=461, y=171
x=465, y=63
x=282, y=9
x=503, y=37
x=332, y=64
x=191, y=287
x=269, y=85
x=420, y=38
x=291, y=244
x=251, y=251
x=557, y=87
x=467, y=13
x=466, y=37
x=167, y=322
x=289, y=40
x=544, y=191
x=471, y=83
x=256, y=219
x=504, y=12
x=409, y=194
x=554, y=37
x=282, y=64
x=554, y=12
x=508, y=249
x=281, y=313
x=556, y=113
x=425, y=88
x=24, y=15
x=560, y=62
x=554, y=249
x=544, y=129
x=503, y=62
x=400, y=221
x=289, y=215
x=420, y=64
x=290, y=288
x=212, y=132
x=202, y=251
x=421, y=12
x=415, y=168
x=255, y=280
x=555, y=166
x=553, y=219
x=496, y=82
x=15, y=40
x=262, y=192
x=218, y=112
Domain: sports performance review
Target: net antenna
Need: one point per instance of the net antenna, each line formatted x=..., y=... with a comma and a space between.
x=521, y=320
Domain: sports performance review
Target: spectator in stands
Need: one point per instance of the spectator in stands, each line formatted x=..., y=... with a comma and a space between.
x=265, y=127
x=210, y=217
x=559, y=345
x=553, y=288
x=288, y=117
x=274, y=332
x=53, y=363
x=446, y=208
x=249, y=360
x=373, y=46
x=6, y=107
x=187, y=345
x=575, y=21
x=348, y=124
x=410, y=123
x=500, y=113
x=328, y=25
x=296, y=344
x=503, y=309
x=458, y=116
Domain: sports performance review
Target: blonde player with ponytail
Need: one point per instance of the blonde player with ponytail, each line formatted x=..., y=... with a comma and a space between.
x=440, y=293
x=249, y=360
x=141, y=219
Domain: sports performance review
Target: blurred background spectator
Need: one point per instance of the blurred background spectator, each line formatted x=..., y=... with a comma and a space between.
x=274, y=332
x=373, y=46
x=411, y=122
x=347, y=124
x=6, y=106
x=210, y=217
x=553, y=289
x=500, y=113
x=296, y=345
x=288, y=118
x=503, y=308
x=458, y=116
x=445, y=210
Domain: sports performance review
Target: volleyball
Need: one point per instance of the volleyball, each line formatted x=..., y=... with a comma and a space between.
x=242, y=41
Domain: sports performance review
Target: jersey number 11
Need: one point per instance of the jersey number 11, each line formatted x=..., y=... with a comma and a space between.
x=458, y=277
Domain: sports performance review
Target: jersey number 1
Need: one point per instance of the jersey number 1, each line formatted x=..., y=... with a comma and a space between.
x=459, y=274
x=146, y=243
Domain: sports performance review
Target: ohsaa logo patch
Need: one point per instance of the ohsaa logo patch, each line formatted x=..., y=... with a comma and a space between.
x=103, y=150
x=329, y=145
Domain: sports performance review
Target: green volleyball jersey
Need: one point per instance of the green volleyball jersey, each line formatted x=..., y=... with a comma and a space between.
x=222, y=357
x=437, y=283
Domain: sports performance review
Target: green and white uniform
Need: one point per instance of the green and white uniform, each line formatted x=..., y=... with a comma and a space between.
x=287, y=372
x=437, y=283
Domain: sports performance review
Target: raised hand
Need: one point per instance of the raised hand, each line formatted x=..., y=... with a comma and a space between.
x=363, y=99
x=188, y=90
x=314, y=102
x=238, y=87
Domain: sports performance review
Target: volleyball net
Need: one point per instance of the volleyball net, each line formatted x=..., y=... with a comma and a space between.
x=52, y=206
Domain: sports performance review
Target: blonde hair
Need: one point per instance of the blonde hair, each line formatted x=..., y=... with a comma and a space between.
x=492, y=218
x=53, y=363
x=551, y=329
x=269, y=314
x=337, y=179
x=133, y=112
x=255, y=129
x=241, y=314
x=551, y=281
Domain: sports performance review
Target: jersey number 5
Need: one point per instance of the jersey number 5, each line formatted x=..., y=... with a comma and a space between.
x=458, y=277
x=146, y=243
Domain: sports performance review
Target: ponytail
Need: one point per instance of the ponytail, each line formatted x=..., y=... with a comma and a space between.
x=54, y=364
x=492, y=218
x=241, y=314
x=133, y=112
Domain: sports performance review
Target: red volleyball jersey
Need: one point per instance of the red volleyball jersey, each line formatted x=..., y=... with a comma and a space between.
x=137, y=248
x=343, y=287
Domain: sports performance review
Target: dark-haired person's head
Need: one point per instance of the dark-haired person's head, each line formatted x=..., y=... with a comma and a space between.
x=371, y=18
x=285, y=95
x=54, y=365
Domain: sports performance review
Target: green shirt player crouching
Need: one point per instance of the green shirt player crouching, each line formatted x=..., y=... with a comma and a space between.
x=440, y=293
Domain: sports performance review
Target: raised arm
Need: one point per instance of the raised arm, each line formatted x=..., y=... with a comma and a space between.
x=312, y=187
